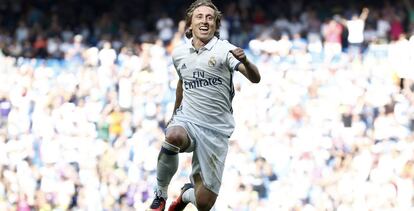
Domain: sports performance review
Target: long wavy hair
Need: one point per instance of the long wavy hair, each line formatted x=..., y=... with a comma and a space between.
x=189, y=15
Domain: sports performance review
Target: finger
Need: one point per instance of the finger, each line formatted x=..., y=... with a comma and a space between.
x=236, y=52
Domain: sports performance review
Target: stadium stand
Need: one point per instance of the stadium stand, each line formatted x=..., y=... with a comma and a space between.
x=85, y=94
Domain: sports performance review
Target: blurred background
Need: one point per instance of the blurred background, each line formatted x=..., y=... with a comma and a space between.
x=86, y=89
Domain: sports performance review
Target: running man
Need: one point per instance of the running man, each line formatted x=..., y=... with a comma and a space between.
x=202, y=121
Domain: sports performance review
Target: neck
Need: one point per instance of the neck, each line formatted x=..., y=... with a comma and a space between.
x=197, y=43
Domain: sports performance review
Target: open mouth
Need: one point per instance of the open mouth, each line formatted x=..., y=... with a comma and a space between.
x=204, y=28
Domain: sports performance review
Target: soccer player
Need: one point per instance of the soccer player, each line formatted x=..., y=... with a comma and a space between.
x=202, y=121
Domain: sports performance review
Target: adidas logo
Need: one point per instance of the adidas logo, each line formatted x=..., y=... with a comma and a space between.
x=183, y=67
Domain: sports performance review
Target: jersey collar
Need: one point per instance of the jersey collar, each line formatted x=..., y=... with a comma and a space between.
x=208, y=46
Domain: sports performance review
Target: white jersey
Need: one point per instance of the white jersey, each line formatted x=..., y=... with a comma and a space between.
x=207, y=76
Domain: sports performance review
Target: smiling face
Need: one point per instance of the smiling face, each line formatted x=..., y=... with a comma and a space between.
x=203, y=23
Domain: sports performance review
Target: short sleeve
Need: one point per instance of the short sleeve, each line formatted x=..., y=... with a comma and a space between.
x=176, y=63
x=174, y=58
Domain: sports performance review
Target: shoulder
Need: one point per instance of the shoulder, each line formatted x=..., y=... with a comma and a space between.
x=180, y=49
x=225, y=44
x=179, y=52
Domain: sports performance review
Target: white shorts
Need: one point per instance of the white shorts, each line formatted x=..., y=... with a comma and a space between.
x=209, y=153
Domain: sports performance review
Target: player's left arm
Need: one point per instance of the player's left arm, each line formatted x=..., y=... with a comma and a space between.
x=248, y=69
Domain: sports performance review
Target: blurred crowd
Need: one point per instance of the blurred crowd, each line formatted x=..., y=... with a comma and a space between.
x=85, y=97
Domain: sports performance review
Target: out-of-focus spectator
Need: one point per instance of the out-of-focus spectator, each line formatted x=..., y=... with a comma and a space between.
x=332, y=34
x=22, y=32
x=107, y=55
x=356, y=26
x=383, y=28
x=165, y=27
x=396, y=27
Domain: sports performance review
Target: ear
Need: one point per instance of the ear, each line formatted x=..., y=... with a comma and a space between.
x=189, y=33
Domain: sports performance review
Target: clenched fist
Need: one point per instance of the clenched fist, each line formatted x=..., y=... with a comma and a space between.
x=239, y=54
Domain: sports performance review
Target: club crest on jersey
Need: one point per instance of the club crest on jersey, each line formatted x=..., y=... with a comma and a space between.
x=212, y=62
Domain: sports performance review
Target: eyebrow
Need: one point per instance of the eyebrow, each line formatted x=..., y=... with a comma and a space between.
x=206, y=14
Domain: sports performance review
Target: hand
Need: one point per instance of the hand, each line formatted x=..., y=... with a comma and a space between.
x=365, y=10
x=239, y=54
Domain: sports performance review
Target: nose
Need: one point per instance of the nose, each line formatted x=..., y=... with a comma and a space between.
x=205, y=19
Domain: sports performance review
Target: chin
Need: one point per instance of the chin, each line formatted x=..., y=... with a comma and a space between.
x=205, y=37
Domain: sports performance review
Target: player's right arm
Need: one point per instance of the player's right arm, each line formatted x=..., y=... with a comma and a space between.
x=178, y=95
x=178, y=98
x=179, y=89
